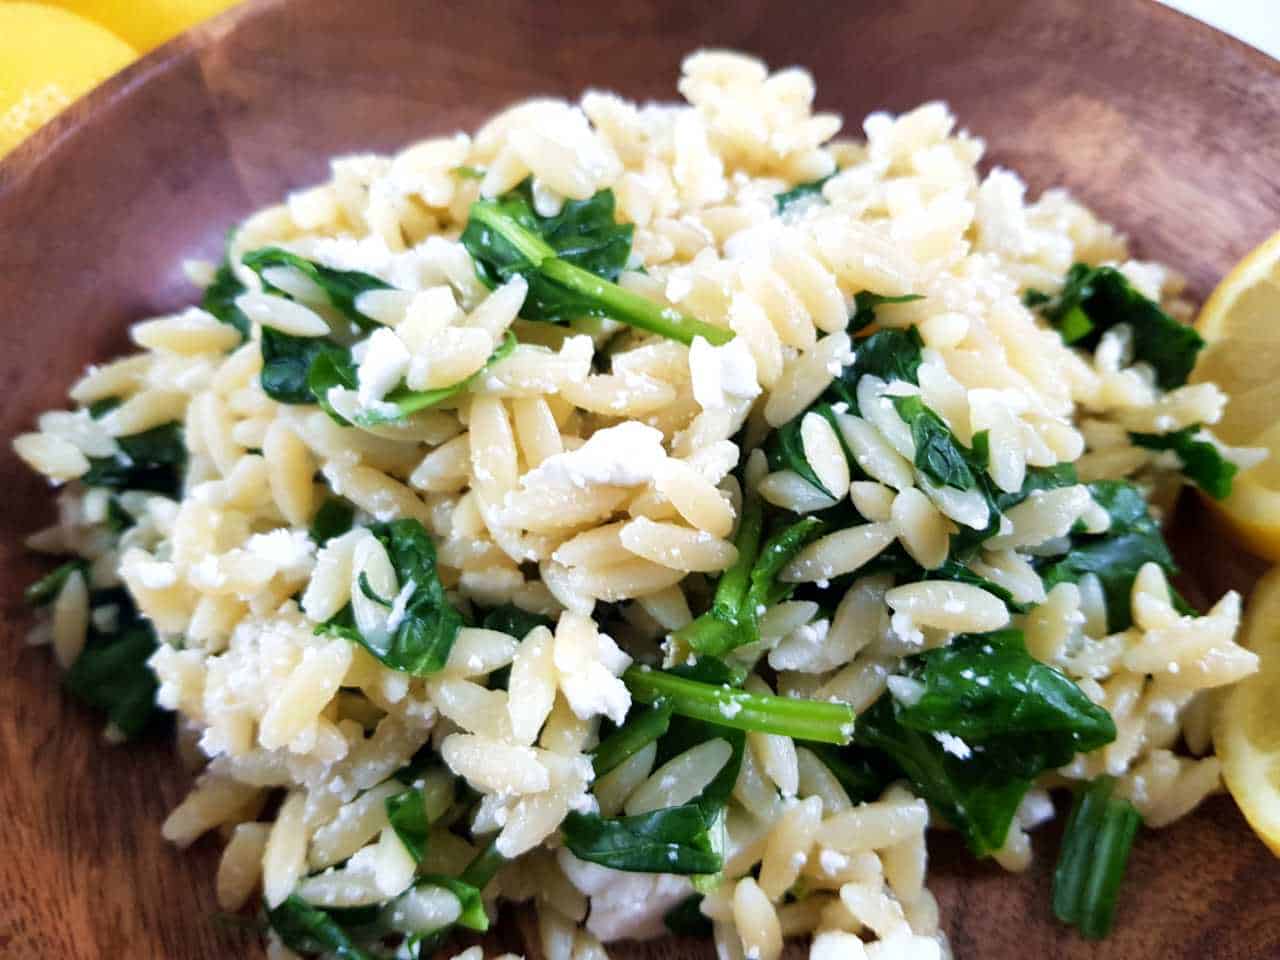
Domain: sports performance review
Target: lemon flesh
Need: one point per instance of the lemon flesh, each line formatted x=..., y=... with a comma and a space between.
x=48, y=58
x=1241, y=325
x=1246, y=734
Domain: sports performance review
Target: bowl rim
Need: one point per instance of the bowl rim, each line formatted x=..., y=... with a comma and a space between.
x=60, y=133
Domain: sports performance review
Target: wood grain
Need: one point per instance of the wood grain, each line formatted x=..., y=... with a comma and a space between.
x=1166, y=128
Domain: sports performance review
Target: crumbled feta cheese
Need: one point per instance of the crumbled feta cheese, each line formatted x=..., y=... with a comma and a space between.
x=396, y=616
x=722, y=374
x=289, y=551
x=624, y=906
x=953, y=744
x=627, y=455
x=386, y=360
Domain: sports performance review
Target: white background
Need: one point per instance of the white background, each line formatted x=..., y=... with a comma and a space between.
x=1256, y=22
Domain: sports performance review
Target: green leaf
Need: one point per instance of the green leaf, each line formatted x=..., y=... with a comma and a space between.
x=153, y=460
x=342, y=287
x=686, y=919
x=978, y=802
x=987, y=686
x=466, y=172
x=718, y=705
x=939, y=455
x=220, y=299
x=1094, y=299
x=45, y=590
x=1093, y=858
x=100, y=408
x=570, y=262
x=407, y=814
x=1202, y=463
x=331, y=366
x=803, y=191
x=514, y=622
x=309, y=929
x=286, y=363
x=421, y=642
x=333, y=519
x=112, y=675
x=862, y=779
x=1116, y=556
x=988, y=720
x=887, y=354
x=865, y=303
x=671, y=840
x=642, y=728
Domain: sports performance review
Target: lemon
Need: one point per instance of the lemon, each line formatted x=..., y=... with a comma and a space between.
x=48, y=57
x=146, y=23
x=1241, y=324
x=1246, y=734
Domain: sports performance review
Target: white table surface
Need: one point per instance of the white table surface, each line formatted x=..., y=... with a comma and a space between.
x=1256, y=22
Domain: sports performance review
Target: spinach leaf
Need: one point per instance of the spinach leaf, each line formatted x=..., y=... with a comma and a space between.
x=287, y=362
x=342, y=287
x=983, y=687
x=686, y=839
x=331, y=366
x=1201, y=461
x=862, y=777
x=333, y=519
x=1094, y=299
x=421, y=642
x=671, y=840
x=514, y=622
x=989, y=718
x=309, y=929
x=785, y=451
x=887, y=354
x=112, y=675
x=45, y=590
x=939, y=455
x=1092, y=861
x=686, y=919
x=1116, y=556
x=641, y=729
x=100, y=408
x=220, y=299
x=864, y=307
x=407, y=814
x=802, y=191
x=152, y=460
x=570, y=262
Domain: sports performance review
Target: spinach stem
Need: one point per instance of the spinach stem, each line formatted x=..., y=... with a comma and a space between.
x=724, y=706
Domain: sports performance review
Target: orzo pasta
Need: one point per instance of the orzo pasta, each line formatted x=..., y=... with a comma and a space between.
x=661, y=513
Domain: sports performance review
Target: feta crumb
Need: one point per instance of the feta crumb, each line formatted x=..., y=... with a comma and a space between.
x=722, y=374
x=832, y=861
x=627, y=455
x=953, y=744
x=386, y=360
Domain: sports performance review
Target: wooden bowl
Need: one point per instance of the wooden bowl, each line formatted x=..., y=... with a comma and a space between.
x=1163, y=126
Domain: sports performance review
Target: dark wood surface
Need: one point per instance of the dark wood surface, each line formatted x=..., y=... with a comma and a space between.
x=1168, y=129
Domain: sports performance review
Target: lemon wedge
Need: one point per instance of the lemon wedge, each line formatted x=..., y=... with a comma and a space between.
x=1241, y=325
x=146, y=23
x=1246, y=733
x=49, y=57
